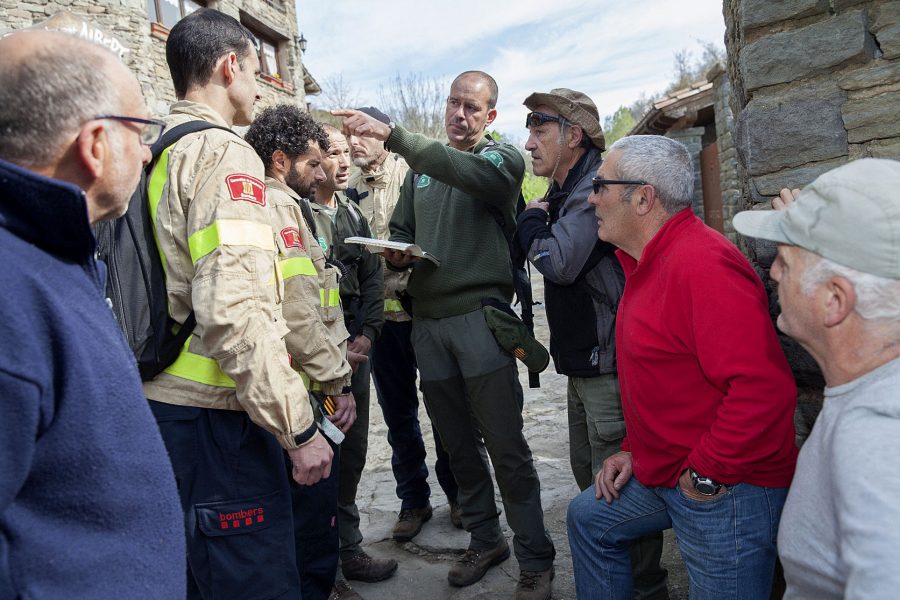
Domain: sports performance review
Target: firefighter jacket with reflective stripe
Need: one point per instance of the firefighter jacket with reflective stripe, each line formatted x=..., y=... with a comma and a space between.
x=376, y=193
x=362, y=289
x=213, y=227
x=317, y=340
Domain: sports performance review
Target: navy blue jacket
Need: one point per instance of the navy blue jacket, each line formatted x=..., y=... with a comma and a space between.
x=88, y=505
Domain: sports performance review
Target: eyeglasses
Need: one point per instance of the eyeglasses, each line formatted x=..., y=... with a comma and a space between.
x=600, y=183
x=536, y=119
x=150, y=129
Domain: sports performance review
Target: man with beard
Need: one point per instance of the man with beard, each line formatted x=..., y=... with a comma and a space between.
x=290, y=145
x=458, y=203
x=375, y=187
x=230, y=405
x=336, y=218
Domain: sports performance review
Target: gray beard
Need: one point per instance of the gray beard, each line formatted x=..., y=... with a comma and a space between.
x=362, y=163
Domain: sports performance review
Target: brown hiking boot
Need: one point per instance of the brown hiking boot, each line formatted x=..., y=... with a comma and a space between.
x=534, y=585
x=410, y=522
x=362, y=567
x=343, y=591
x=456, y=515
x=475, y=563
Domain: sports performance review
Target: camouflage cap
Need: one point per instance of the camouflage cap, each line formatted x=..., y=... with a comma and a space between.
x=512, y=334
x=573, y=106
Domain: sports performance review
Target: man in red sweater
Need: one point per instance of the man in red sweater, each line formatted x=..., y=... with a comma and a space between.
x=707, y=394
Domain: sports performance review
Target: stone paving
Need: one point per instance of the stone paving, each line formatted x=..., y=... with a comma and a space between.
x=424, y=561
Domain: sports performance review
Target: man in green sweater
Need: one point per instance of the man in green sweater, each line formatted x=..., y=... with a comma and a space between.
x=458, y=203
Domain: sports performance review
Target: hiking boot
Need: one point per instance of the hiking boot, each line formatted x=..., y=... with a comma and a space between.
x=362, y=567
x=410, y=522
x=475, y=563
x=456, y=515
x=534, y=585
x=343, y=591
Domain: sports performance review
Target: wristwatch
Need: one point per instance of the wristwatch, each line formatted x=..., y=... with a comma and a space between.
x=704, y=485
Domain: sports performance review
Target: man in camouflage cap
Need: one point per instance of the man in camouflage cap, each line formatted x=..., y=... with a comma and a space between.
x=583, y=282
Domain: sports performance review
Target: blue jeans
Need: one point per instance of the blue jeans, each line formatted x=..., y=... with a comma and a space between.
x=727, y=543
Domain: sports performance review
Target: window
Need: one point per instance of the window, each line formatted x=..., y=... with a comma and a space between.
x=169, y=12
x=268, y=58
x=269, y=55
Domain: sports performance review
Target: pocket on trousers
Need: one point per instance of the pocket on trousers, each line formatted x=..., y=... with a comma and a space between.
x=710, y=503
x=249, y=545
x=609, y=431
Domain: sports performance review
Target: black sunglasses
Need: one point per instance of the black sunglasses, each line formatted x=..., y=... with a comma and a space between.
x=536, y=119
x=600, y=183
x=150, y=129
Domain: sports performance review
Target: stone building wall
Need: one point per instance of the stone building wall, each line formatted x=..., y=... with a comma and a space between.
x=128, y=20
x=692, y=138
x=729, y=175
x=815, y=84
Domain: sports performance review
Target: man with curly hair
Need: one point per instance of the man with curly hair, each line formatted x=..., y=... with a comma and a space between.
x=231, y=405
x=290, y=145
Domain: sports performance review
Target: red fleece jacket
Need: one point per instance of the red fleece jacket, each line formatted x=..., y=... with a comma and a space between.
x=704, y=380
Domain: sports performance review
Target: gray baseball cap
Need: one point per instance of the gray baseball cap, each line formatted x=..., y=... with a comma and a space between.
x=849, y=215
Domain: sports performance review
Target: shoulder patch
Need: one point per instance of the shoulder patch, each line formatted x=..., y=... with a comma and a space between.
x=291, y=237
x=246, y=188
x=495, y=157
x=424, y=181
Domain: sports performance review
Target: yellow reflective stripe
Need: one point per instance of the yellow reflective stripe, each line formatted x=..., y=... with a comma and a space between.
x=393, y=306
x=298, y=265
x=330, y=297
x=313, y=386
x=230, y=232
x=202, y=369
x=157, y=182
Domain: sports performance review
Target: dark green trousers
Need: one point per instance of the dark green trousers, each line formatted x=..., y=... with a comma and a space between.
x=472, y=390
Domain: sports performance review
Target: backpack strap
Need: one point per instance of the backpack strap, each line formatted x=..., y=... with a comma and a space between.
x=169, y=138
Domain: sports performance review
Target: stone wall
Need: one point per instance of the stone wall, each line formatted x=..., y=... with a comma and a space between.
x=729, y=173
x=815, y=84
x=128, y=20
x=692, y=138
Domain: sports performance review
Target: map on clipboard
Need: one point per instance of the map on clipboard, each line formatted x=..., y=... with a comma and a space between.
x=376, y=246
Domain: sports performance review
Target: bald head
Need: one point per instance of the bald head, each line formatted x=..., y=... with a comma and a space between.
x=51, y=83
x=53, y=88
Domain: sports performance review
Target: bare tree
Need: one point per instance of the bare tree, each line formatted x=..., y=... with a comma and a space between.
x=416, y=102
x=336, y=93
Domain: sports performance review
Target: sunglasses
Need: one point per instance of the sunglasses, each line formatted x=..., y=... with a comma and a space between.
x=600, y=184
x=536, y=119
x=150, y=129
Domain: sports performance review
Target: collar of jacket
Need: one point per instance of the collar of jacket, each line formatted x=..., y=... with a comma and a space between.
x=576, y=173
x=199, y=111
x=379, y=177
x=274, y=183
x=49, y=213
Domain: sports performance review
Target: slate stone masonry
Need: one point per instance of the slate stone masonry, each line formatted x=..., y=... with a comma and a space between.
x=128, y=20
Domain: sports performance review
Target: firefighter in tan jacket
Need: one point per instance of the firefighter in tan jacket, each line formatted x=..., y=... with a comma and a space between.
x=230, y=405
x=291, y=144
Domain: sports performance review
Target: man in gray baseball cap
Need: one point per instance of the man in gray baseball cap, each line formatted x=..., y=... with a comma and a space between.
x=583, y=282
x=838, y=275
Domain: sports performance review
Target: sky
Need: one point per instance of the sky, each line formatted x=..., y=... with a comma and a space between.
x=612, y=50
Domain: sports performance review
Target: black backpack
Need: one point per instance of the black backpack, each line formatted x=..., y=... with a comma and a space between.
x=136, y=283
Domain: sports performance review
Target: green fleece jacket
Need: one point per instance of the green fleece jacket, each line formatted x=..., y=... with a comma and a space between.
x=446, y=211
